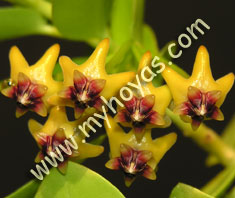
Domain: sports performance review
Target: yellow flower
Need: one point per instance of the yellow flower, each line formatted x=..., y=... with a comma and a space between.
x=31, y=86
x=142, y=157
x=147, y=108
x=84, y=84
x=55, y=131
x=200, y=96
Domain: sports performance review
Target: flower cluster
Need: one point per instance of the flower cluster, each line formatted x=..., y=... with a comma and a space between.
x=134, y=153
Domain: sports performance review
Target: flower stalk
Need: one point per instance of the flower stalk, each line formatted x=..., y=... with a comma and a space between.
x=207, y=139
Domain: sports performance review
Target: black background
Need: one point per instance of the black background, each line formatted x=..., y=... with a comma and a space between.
x=185, y=161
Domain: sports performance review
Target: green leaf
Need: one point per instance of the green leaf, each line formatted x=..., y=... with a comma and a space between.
x=149, y=40
x=126, y=20
x=120, y=60
x=27, y=190
x=79, y=181
x=83, y=20
x=16, y=22
x=186, y=191
x=218, y=185
x=42, y=6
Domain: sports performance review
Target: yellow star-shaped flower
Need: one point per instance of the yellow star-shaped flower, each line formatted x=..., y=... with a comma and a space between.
x=153, y=150
x=32, y=85
x=162, y=94
x=57, y=129
x=148, y=106
x=83, y=84
x=199, y=96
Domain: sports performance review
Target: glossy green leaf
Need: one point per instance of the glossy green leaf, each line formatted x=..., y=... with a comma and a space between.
x=27, y=190
x=186, y=191
x=16, y=22
x=79, y=181
x=120, y=60
x=42, y=6
x=138, y=50
x=149, y=40
x=218, y=185
x=126, y=20
x=81, y=19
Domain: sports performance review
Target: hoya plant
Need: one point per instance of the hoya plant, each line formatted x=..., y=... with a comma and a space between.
x=125, y=91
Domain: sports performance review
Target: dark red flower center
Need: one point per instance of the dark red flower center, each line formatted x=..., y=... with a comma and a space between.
x=139, y=112
x=132, y=162
x=200, y=105
x=28, y=96
x=84, y=93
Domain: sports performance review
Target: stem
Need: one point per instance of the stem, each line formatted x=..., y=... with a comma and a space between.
x=221, y=182
x=42, y=6
x=207, y=139
x=50, y=30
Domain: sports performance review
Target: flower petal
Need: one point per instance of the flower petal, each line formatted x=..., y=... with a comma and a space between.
x=196, y=122
x=154, y=118
x=78, y=111
x=23, y=83
x=39, y=157
x=20, y=111
x=144, y=156
x=79, y=80
x=211, y=98
x=68, y=93
x=126, y=154
x=139, y=131
x=37, y=91
x=182, y=109
x=195, y=96
x=146, y=104
x=9, y=92
x=96, y=103
x=113, y=164
x=59, y=136
x=217, y=114
x=95, y=87
x=149, y=173
x=131, y=105
x=129, y=179
x=40, y=108
x=122, y=116
x=63, y=166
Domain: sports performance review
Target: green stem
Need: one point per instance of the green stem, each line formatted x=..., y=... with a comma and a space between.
x=207, y=139
x=221, y=182
x=42, y=6
x=50, y=30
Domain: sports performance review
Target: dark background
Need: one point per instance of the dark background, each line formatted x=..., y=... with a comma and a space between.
x=185, y=161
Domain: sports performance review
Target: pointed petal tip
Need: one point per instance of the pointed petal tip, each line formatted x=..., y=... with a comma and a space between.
x=145, y=60
x=112, y=164
x=20, y=112
x=64, y=59
x=128, y=181
x=139, y=134
x=149, y=173
x=62, y=167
